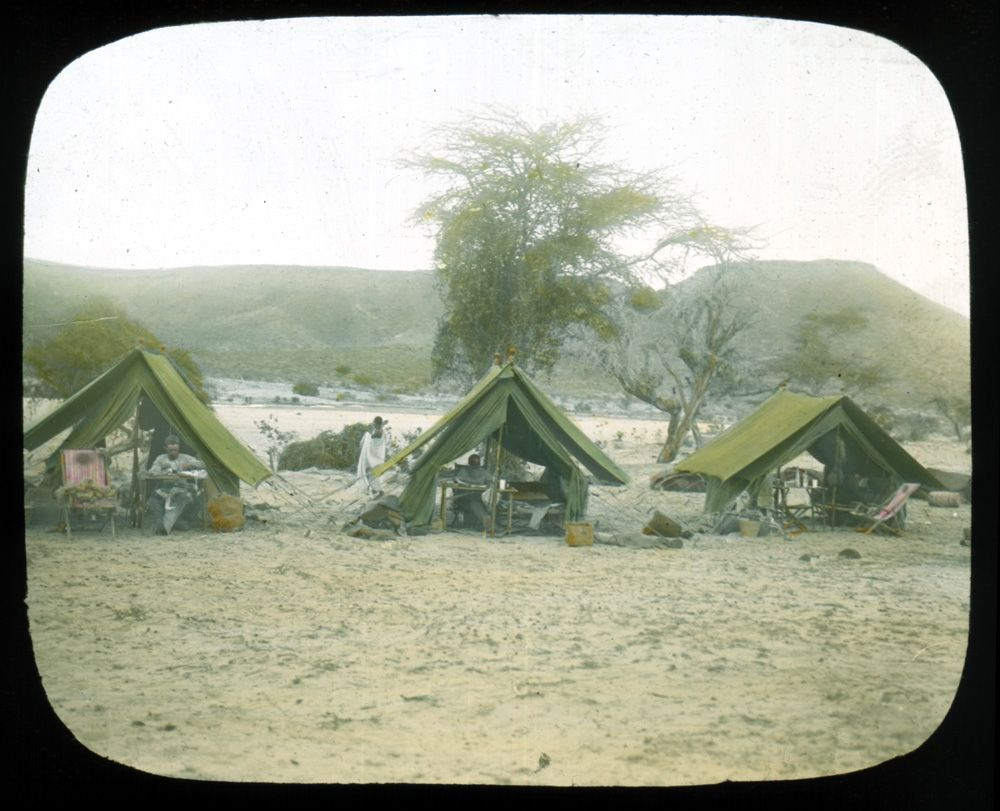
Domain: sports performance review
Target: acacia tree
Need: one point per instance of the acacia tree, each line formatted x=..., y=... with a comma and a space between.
x=673, y=346
x=957, y=410
x=531, y=228
x=818, y=360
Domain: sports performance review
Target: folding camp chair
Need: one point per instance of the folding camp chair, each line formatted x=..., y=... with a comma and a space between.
x=85, y=489
x=795, y=514
x=887, y=517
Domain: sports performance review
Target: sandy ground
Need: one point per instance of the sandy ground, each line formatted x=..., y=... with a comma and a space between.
x=290, y=652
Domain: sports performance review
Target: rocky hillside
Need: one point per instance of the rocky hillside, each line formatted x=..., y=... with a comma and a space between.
x=254, y=307
x=309, y=323
x=865, y=320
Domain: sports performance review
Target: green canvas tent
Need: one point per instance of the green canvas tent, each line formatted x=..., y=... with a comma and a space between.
x=506, y=407
x=833, y=430
x=105, y=403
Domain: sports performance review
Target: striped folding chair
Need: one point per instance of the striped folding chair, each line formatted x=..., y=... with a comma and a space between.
x=86, y=489
x=889, y=516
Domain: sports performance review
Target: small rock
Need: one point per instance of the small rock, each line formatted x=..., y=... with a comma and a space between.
x=852, y=554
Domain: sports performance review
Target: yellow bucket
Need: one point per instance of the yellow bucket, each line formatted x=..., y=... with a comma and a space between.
x=579, y=534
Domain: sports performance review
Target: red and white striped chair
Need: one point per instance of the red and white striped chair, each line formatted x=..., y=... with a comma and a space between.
x=85, y=489
x=888, y=516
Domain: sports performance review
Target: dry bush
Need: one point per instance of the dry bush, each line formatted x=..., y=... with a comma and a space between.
x=328, y=450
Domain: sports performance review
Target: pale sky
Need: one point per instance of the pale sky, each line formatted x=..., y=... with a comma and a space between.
x=272, y=142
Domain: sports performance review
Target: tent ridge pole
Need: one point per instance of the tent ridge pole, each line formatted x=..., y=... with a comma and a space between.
x=494, y=497
x=134, y=501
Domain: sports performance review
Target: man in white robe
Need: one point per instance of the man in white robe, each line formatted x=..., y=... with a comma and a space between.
x=375, y=445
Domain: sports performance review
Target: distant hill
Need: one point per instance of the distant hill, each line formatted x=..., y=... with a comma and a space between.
x=253, y=307
x=922, y=347
x=311, y=323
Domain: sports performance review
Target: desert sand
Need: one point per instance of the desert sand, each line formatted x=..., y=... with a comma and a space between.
x=291, y=652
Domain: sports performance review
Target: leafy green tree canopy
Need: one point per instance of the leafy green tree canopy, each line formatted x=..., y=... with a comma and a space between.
x=94, y=340
x=532, y=228
x=819, y=361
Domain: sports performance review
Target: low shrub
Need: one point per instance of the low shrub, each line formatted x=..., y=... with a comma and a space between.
x=307, y=389
x=338, y=451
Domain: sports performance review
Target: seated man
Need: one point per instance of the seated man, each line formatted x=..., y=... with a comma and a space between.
x=470, y=503
x=173, y=503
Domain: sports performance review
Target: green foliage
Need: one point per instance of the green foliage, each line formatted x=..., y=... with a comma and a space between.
x=645, y=299
x=277, y=439
x=528, y=234
x=396, y=365
x=307, y=389
x=328, y=450
x=96, y=338
x=818, y=362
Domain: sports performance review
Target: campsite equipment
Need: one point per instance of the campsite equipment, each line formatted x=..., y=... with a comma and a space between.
x=944, y=498
x=748, y=528
x=579, y=533
x=226, y=512
x=832, y=429
x=890, y=515
x=139, y=381
x=659, y=524
x=507, y=409
x=382, y=514
x=85, y=488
